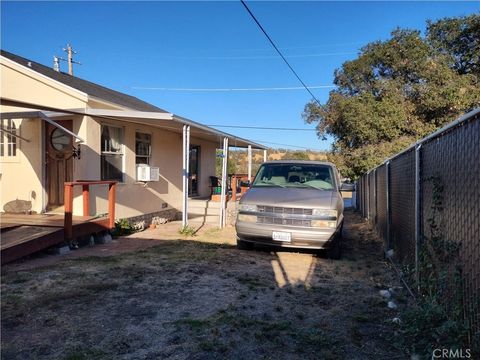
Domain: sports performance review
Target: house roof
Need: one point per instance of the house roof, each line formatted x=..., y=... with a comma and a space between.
x=85, y=86
x=139, y=110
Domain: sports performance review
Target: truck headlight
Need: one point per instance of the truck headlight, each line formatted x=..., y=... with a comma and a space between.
x=248, y=207
x=325, y=224
x=247, y=218
x=328, y=213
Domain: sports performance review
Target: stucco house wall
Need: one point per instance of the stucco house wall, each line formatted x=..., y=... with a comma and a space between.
x=136, y=198
x=23, y=177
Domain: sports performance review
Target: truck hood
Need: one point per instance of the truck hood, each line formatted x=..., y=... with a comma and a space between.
x=289, y=197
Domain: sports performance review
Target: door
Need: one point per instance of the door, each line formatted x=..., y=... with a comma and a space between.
x=59, y=162
x=193, y=167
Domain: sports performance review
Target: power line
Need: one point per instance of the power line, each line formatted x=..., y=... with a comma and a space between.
x=307, y=46
x=261, y=128
x=293, y=146
x=253, y=57
x=278, y=51
x=232, y=89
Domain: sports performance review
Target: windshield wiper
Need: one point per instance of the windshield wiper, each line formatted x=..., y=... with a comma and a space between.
x=310, y=186
x=268, y=183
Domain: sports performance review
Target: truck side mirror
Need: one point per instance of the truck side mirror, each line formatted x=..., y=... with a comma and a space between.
x=347, y=187
x=245, y=183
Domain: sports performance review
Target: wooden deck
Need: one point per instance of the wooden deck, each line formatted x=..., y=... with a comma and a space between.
x=22, y=235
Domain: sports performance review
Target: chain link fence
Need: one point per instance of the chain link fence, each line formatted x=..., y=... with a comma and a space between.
x=427, y=198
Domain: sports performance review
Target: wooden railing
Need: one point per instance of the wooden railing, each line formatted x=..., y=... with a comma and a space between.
x=234, y=182
x=85, y=184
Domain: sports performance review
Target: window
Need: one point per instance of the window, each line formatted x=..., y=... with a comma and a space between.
x=112, y=153
x=143, y=148
x=8, y=142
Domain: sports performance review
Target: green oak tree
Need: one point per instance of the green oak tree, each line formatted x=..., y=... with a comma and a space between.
x=399, y=90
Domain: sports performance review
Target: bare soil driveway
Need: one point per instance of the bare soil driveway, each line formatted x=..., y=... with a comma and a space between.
x=200, y=298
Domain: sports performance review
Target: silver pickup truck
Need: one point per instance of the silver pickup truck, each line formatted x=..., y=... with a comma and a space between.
x=294, y=204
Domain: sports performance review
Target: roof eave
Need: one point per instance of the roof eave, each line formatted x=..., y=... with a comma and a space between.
x=242, y=141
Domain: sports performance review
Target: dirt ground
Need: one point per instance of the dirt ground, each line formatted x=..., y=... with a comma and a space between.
x=159, y=295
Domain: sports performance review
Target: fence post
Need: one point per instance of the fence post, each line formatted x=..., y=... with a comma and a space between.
x=374, y=213
x=417, y=209
x=388, y=205
x=367, y=193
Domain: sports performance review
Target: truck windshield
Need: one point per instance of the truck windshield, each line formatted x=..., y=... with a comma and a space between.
x=295, y=175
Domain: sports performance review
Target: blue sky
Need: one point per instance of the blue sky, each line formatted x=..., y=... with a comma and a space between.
x=132, y=46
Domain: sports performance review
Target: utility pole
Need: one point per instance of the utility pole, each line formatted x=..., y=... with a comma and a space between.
x=69, y=50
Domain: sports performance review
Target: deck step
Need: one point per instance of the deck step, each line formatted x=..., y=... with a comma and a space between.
x=26, y=239
x=203, y=211
x=203, y=203
x=209, y=219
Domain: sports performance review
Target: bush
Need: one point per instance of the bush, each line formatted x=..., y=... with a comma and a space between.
x=122, y=227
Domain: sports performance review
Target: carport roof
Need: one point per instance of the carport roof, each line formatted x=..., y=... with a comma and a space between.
x=163, y=120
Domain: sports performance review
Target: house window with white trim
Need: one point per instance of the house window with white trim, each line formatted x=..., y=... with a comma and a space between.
x=8, y=140
x=112, y=153
x=143, y=148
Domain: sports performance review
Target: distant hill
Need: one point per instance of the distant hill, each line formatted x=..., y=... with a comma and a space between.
x=238, y=161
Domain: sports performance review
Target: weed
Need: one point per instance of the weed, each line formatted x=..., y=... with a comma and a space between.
x=187, y=231
x=251, y=281
x=213, y=231
x=99, y=259
x=363, y=318
x=336, y=269
x=122, y=227
x=84, y=354
x=314, y=339
x=300, y=316
x=194, y=324
x=439, y=282
x=355, y=334
x=213, y=345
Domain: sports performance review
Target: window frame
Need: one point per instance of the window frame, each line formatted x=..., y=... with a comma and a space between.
x=149, y=156
x=10, y=144
x=120, y=153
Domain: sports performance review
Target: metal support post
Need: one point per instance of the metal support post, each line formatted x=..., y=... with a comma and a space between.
x=249, y=162
x=185, y=173
x=223, y=202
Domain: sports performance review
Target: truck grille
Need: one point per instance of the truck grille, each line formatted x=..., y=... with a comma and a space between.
x=282, y=221
x=283, y=210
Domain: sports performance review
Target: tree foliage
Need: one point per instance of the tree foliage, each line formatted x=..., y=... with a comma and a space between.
x=400, y=90
x=295, y=155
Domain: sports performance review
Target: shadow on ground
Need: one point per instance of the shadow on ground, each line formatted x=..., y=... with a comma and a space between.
x=202, y=298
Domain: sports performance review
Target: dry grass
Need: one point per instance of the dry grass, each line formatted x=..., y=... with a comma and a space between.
x=202, y=298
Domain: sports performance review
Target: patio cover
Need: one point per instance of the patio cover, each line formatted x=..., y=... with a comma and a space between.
x=167, y=121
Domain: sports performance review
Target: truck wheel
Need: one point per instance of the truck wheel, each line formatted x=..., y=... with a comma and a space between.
x=335, y=252
x=244, y=245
